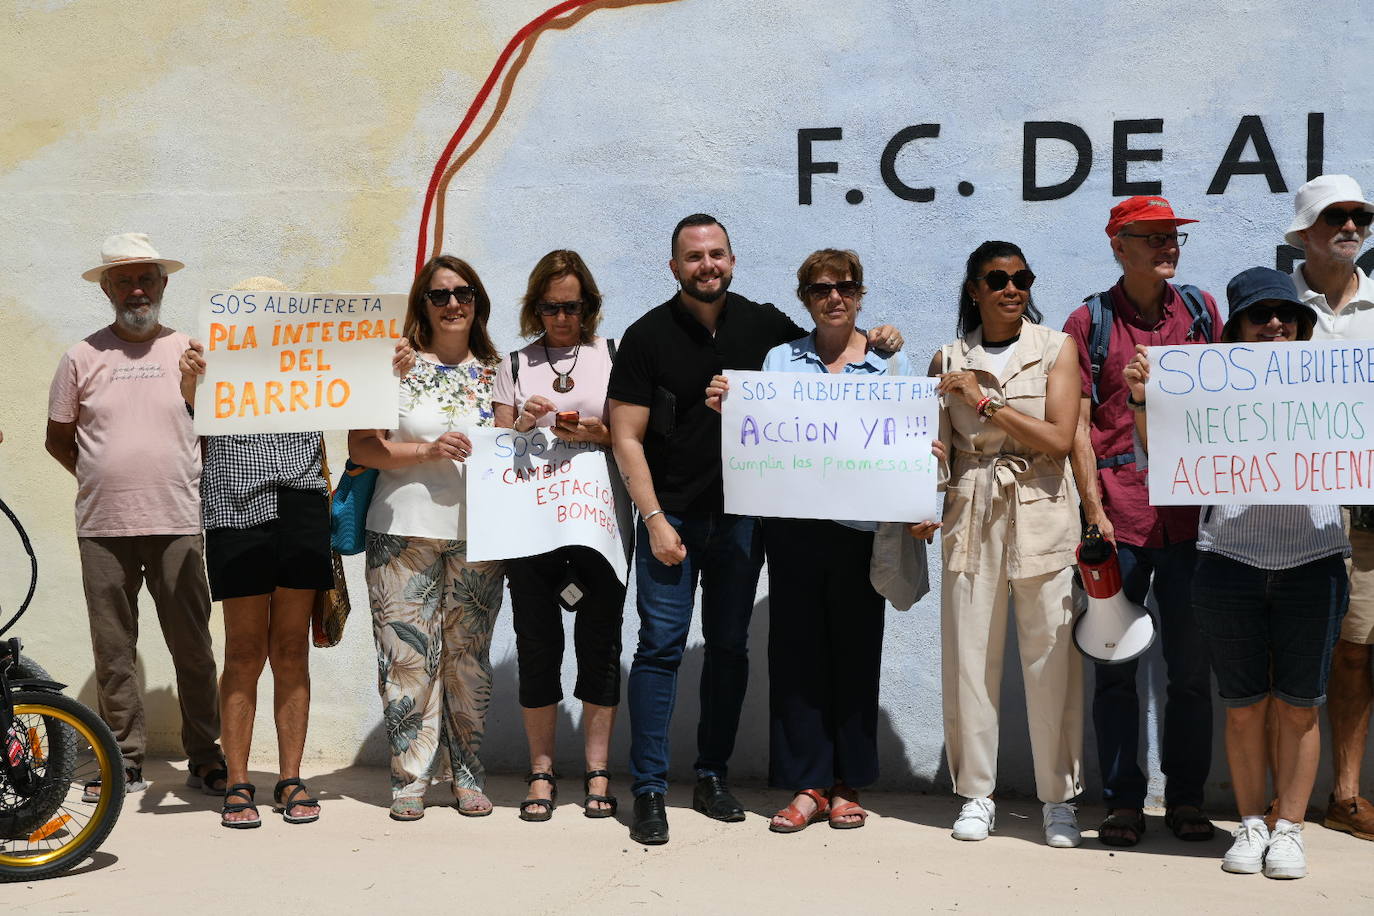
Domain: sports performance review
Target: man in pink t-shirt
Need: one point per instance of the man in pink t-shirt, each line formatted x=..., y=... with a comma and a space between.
x=117, y=422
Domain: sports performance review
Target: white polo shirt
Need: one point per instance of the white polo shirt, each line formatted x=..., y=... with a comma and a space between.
x=1353, y=322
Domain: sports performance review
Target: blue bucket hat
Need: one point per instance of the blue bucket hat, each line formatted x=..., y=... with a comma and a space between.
x=1258, y=284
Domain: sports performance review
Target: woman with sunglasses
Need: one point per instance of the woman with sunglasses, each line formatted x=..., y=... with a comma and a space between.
x=1010, y=411
x=825, y=633
x=559, y=382
x=432, y=610
x=1269, y=591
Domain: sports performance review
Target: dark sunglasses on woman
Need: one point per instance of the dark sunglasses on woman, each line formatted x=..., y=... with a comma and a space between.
x=549, y=309
x=465, y=295
x=1260, y=315
x=997, y=279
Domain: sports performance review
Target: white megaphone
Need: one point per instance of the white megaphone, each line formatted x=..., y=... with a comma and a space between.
x=1113, y=629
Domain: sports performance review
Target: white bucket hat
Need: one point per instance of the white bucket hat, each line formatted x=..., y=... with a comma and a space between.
x=128, y=248
x=1318, y=194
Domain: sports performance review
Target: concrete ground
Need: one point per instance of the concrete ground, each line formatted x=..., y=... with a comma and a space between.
x=169, y=855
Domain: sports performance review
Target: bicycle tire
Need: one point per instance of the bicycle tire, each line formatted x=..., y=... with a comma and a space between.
x=39, y=808
x=36, y=857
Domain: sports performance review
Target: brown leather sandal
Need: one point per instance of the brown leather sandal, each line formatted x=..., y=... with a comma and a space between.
x=794, y=817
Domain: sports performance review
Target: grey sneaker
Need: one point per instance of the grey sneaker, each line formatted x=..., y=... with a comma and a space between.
x=1246, y=855
x=976, y=820
x=1285, y=857
x=1061, y=825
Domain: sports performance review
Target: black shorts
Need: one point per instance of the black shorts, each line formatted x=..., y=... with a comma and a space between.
x=290, y=551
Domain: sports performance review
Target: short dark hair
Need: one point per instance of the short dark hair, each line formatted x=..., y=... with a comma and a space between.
x=838, y=261
x=970, y=319
x=696, y=219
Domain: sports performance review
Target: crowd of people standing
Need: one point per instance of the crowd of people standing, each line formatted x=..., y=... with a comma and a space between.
x=1041, y=433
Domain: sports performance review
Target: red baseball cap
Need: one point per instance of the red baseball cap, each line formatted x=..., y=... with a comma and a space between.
x=1134, y=209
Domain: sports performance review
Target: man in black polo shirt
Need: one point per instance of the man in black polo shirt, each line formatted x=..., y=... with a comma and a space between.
x=667, y=443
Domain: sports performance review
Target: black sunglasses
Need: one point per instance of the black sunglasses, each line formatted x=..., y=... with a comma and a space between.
x=465, y=295
x=997, y=279
x=847, y=289
x=1260, y=315
x=1336, y=218
x=549, y=309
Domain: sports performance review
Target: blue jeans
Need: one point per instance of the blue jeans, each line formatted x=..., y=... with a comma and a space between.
x=726, y=553
x=1186, y=755
x=1271, y=631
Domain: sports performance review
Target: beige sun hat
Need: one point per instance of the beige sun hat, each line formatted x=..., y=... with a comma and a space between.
x=129, y=248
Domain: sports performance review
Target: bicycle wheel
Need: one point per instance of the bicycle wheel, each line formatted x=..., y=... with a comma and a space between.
x=75, y=829
x=47, y=796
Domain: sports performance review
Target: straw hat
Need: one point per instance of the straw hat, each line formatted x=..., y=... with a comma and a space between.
x=128, y=248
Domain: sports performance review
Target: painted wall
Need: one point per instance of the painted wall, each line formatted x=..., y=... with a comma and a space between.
x=297, y=139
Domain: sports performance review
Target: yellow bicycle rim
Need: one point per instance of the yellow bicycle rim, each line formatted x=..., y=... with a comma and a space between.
x=108, y=772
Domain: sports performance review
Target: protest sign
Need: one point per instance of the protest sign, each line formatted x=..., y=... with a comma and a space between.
x=1278, y=424
x=529, y=493
x=290, y=362
x=806, y=445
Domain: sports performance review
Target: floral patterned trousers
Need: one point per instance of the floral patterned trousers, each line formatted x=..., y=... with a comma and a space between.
x=432, y=616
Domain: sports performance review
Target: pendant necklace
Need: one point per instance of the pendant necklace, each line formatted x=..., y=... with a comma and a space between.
x=562, y=381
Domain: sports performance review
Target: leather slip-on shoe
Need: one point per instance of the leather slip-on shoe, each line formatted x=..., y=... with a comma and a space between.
x=650, y=825
x=712, y=798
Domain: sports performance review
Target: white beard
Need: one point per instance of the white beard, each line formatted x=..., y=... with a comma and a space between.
x=140, y=320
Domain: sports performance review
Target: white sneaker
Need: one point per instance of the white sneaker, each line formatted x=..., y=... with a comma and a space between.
x=1285, y=857
x=1246, y=855
x=1061, y=825
x=976, y=820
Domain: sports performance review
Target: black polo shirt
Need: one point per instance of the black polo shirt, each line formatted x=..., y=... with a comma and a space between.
x=664, y=362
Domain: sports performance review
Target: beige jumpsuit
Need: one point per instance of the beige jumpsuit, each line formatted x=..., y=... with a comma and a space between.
x=1010, y=525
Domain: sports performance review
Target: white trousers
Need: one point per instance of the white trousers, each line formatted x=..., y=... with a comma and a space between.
x=973, y=621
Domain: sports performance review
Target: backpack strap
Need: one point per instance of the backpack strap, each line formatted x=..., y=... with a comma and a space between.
x=1201, y=329
x=1100, y=317
x=610, y=347
x=514, y=367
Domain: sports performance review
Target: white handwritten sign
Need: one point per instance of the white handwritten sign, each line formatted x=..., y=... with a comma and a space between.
x=529, y=493
x=806, y=445
x=292, y=362
x=1282, y=424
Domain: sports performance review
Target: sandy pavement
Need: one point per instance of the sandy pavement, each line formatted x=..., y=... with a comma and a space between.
x=169, y=855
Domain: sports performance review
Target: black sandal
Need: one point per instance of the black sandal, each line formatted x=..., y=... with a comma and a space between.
x=206, y=783
x=1181, y=818
x=240, y=790
x=587, y=808
x=283, y=806
x=1132, y=828
x=539, y=809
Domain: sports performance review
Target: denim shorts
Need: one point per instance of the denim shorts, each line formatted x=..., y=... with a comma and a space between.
x=1270, y=631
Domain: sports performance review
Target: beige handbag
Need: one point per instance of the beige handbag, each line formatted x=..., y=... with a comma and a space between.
x=330, y=613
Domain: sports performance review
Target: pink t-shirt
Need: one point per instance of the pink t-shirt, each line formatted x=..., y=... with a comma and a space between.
x=137, y=457
x=590, y=375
